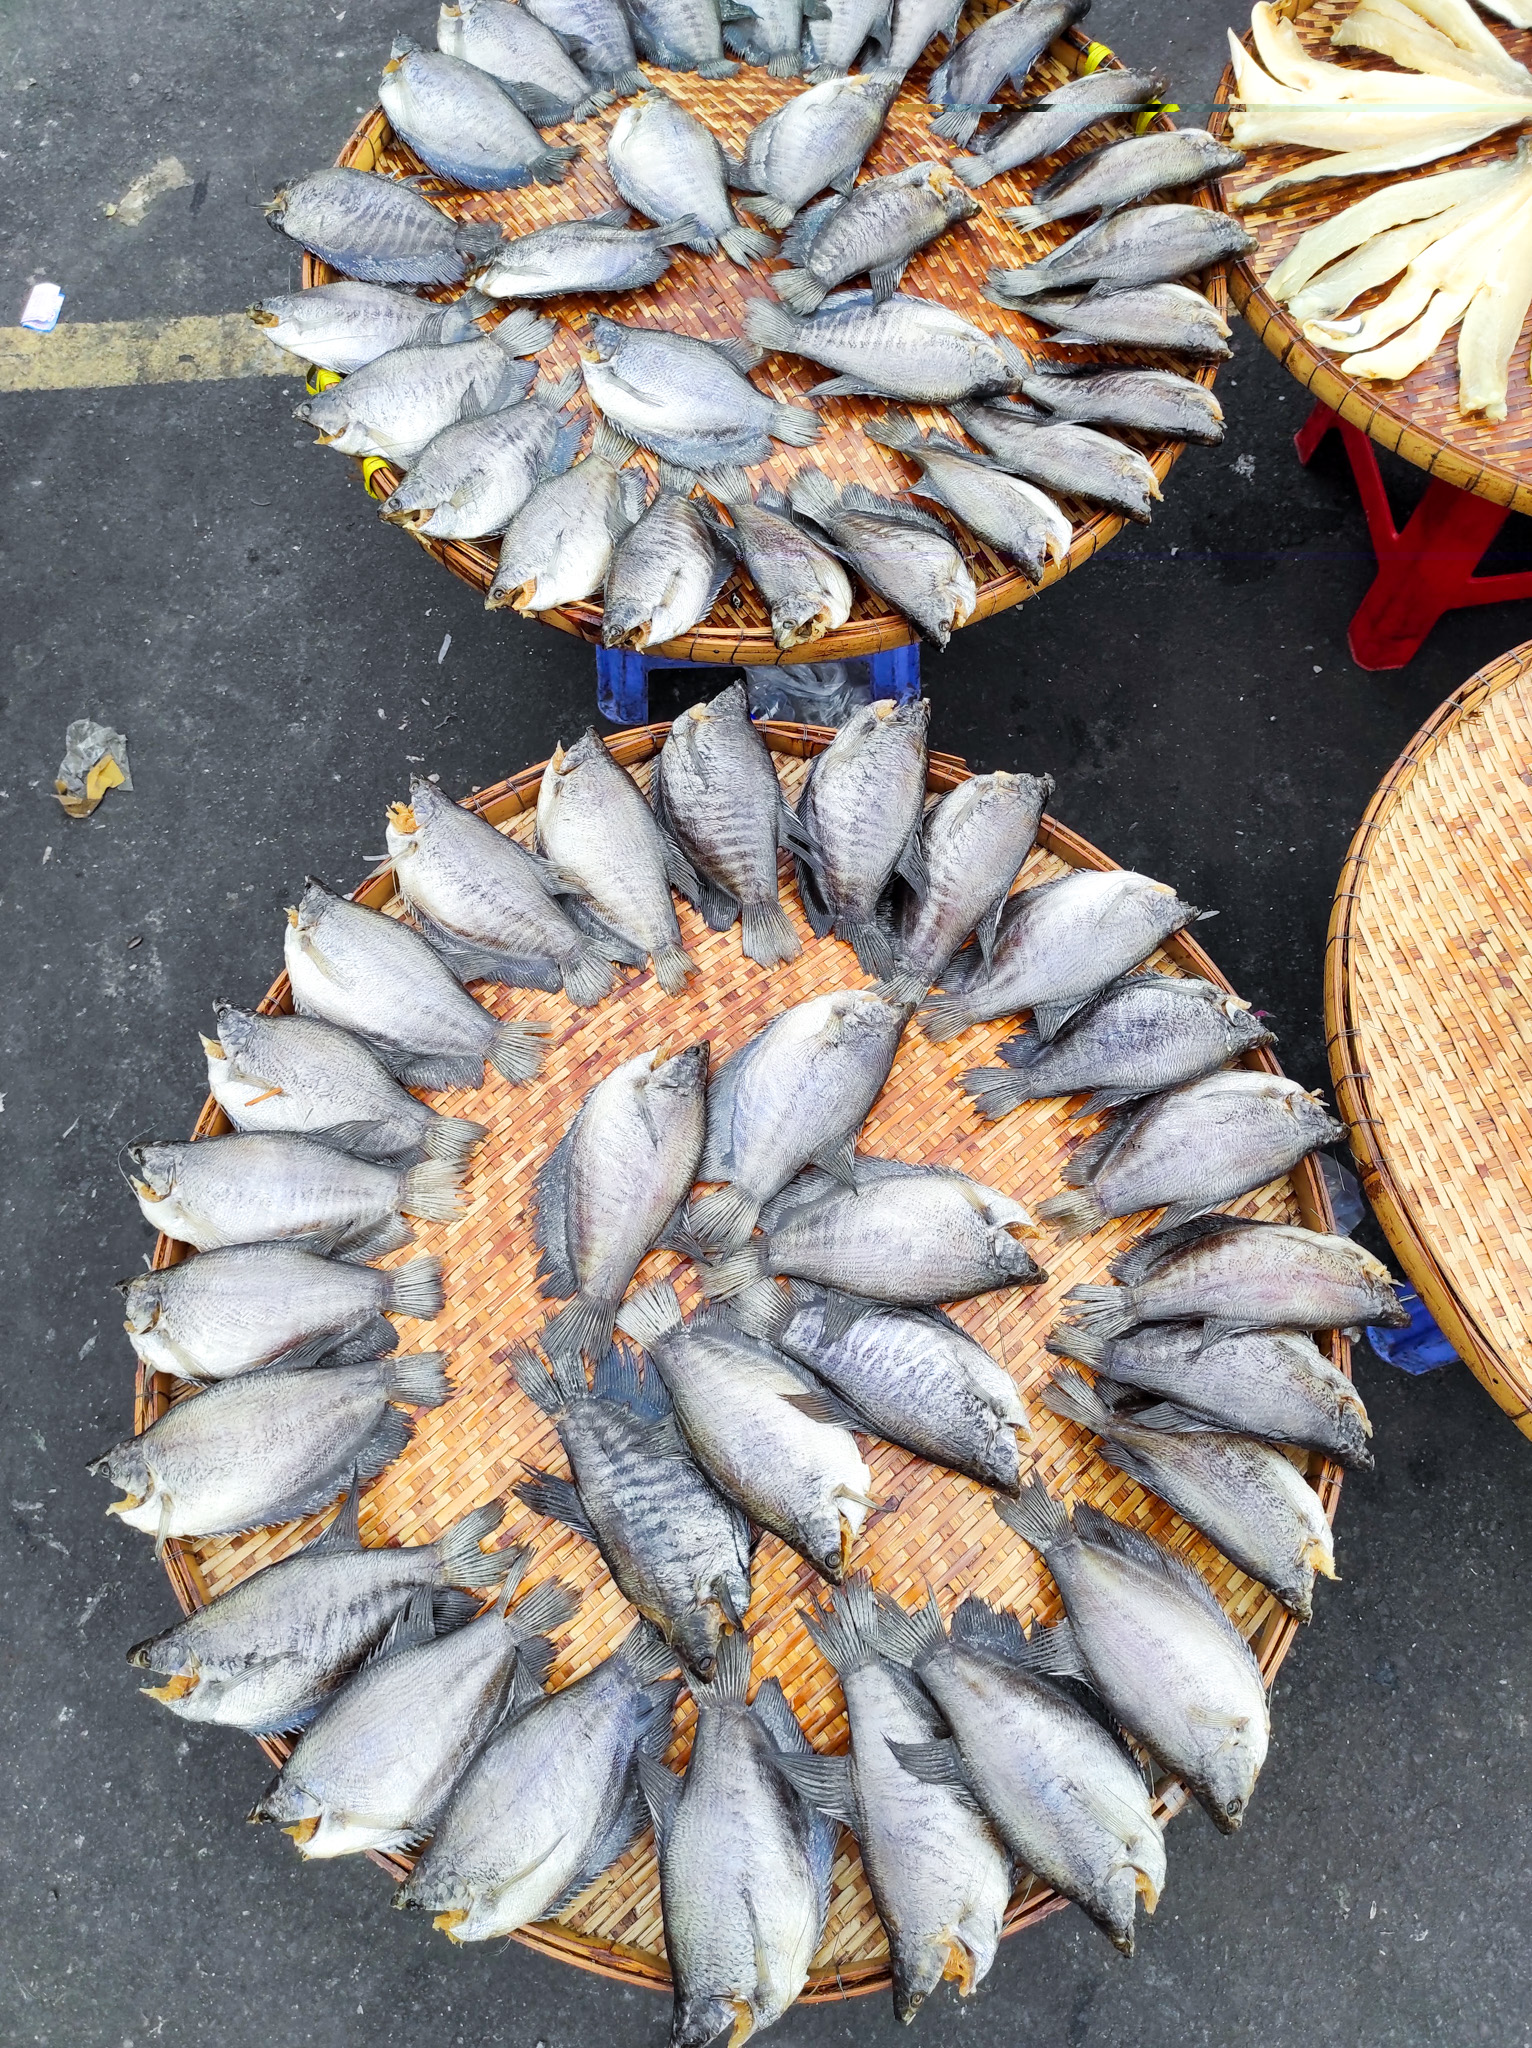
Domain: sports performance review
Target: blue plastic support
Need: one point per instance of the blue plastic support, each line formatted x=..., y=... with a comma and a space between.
x=1420, y=1348
x=622, y=678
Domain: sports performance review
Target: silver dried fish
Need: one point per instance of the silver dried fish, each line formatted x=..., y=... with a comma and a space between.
x=1003, y=46
x=464, y=124
x=598, y=36
x=1062, y=457
x=559, y=546
x=875, y=230
x=815, y=139
x=473, y=477
x=665, y=576
x=345, y=326
x=688, y=400
x=1146, y=245
x=1155, y=316
x=1156, y=402
x=1105, y=180
x=999, y=507
x=805, y=588
x=377, y=230
x=523, y=56
x=904, y=555
x=1044, y=125
x=666, y=163
x=900, y=347
x=603, y=253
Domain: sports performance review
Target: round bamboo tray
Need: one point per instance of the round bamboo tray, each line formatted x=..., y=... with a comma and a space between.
x=1427, y=1021
x=706, y=296
x=932, y=1526
x=1416, y=417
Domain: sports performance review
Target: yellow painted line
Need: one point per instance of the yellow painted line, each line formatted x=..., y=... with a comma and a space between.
x=97, y=354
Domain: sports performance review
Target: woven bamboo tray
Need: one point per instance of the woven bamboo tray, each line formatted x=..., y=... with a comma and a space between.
x=1416, y=417
x=931, y=1527
x=706, y=296
x=1425, y=1006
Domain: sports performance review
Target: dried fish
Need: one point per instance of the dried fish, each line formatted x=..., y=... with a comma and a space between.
x=1042, y=126
x=1063, y=457
x=1105, y=180
x=372, y=228
x=1146, y=245
x=1003, y=46
x=688, y=400
x=598, y=36
x=900, y=347
x=665, y=576
x=1156, y=402
x=474, y=477
x=345, y=326
x=603, y=253
x=666, y=163
x=904, y=555
x=1156, y=316
x=999, y=507
x=875, y=230
x=527, y=59
x=559, y=546
x=806, y=590
x=464, y=124
x=817, y=138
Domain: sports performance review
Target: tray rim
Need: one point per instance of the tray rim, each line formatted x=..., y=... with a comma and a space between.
x=1387, y=421
x=721, y=646
x=509, y=798
x=1508, y=1384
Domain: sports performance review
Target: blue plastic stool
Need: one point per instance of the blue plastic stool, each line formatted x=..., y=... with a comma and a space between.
x=622, y=678
x=1421, y=1347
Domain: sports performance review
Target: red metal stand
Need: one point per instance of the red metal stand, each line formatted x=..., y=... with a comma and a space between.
x=1424, y=569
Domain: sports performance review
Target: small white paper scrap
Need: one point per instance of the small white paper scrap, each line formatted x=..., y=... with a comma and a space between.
x=44, y=304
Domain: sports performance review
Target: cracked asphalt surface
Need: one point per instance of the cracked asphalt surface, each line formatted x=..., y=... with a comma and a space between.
x=182, y=563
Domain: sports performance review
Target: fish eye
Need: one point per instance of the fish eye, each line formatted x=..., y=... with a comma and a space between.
x=1234, y=1806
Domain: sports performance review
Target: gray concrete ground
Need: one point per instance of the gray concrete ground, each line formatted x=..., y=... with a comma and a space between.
x=180, y=562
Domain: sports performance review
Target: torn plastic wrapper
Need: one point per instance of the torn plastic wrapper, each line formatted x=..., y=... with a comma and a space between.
x=95, y=760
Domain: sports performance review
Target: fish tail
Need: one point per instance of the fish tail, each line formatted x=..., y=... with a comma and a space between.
x=611, y=446
x=729, y=486
x=594, y=104
x=549, y=1604
x=625, y=83
x=763, y=1309
x=551, y=166
x=744, y=243
x=785, y=64
x=945, y=1018
x=650, y=1314
x=670, y=232
x=844, y=1627
x=1035, y=1516
x=1075, y=1214
x=1026, y=216
x=771, y=326
x=1068, y=1340
x=588, y=978
x=516, y=1051
x=905, y=986
x=1073, y=1397
x=550, y=1388
x=904, y=1635
x=523, y=332
x=716, y=67
x=723, y=1277
x=798, y=289
x=973, y=170
x=584, y=1327
x=672, y=965
x=994, y=1091
x=731, y=1673
x=795, y=425
x=772, y=211
x=872, y=946
x=417, y=1377
x=452, y=1138
x=896, y=429
x=724, y=1219
x=430, y=1191
x=1025, y=1049
x=644, y=1654
x=766, y=935
x=460, y=1561
x=416, y=1289
x=1102, y=1311
x=957, y=124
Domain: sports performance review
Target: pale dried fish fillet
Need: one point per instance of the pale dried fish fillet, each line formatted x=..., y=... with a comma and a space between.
x=1411, y=199
x=1447, y=33
x=1385, y=256
x=1490, y=330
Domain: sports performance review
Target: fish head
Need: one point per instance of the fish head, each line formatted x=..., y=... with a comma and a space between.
x=309, y=913
x=327, y=412
x=127, y=1466
x=1385, y=1310
x=703, y=2016
x=1245, y=1030
x=142, y=1299
x=404, y=47
x=1312, y=1116
x=403, y=832
x=684, y=1073
x=920, y=1970
x=156, y=1174
x=262, y=313
x=1011, y=1256
x=296, y=1811
x=275, y=208
x=237, y=1033
x=697, y=1633
x=603, y=338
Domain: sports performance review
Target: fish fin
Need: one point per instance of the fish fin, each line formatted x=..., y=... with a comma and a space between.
x=824, y=1782
x=645, y=1656
x=430, y=1191
x=874, y=950
x=361, y=1137
x=441, y=1070
x=1216, y=1328
x=1035, y=1516
x=806, y=225
x=846, y=387
x=343, y=1535
x=650, y=1314
x=1182, y=1212
x=731, y=1674
x=994, y=1091
x=820, y=1404
x=789, y=63
x=588, y=978
x=546, y=1494
x=517, y=1049
x=551, y=165
x=905, y=1633
x=742, y=244
x=798, y=289
x=385, y=1444
x=957, y=124
x=838, y=1158
x=1087, y=1160
x=661, y=1789
x=821, y=919
x=417, y=1377
x=1024, y=1049
x=550, y=1202
x=1108, y=1098
x=724, y=1218
x=772, y=211
x=1049, y=1019
x=844, y=1627
x=948, y=1017
x=858, y=498
x=1165, y=1416
x=414, y=1626
x=1103, y=1312
x=885, y=280
x=911, y=863
x=460, y=1561
x=736, y=349
x=841, y=1311
x=672, y=966
x=1140, y=1259
x=614, y=217
x=1073, y=1397
x=1091, y=1526
x=717, y=67
x=1054, y=1652
x=623, y=1379
x=617, y=945
x=1065, y=1340
x=529, y=1677
x=933, y=1763
x=551, y=1386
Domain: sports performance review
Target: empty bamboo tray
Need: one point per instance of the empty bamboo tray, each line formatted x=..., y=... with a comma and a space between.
x=706, y=296
x=931, y=1527
x=1426, y=1010
x=1417, y=417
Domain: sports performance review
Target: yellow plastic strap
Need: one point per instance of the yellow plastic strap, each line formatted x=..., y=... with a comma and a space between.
x=371, y=464
x=1146, y=120
x=319, y=380
x=1095, y=57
